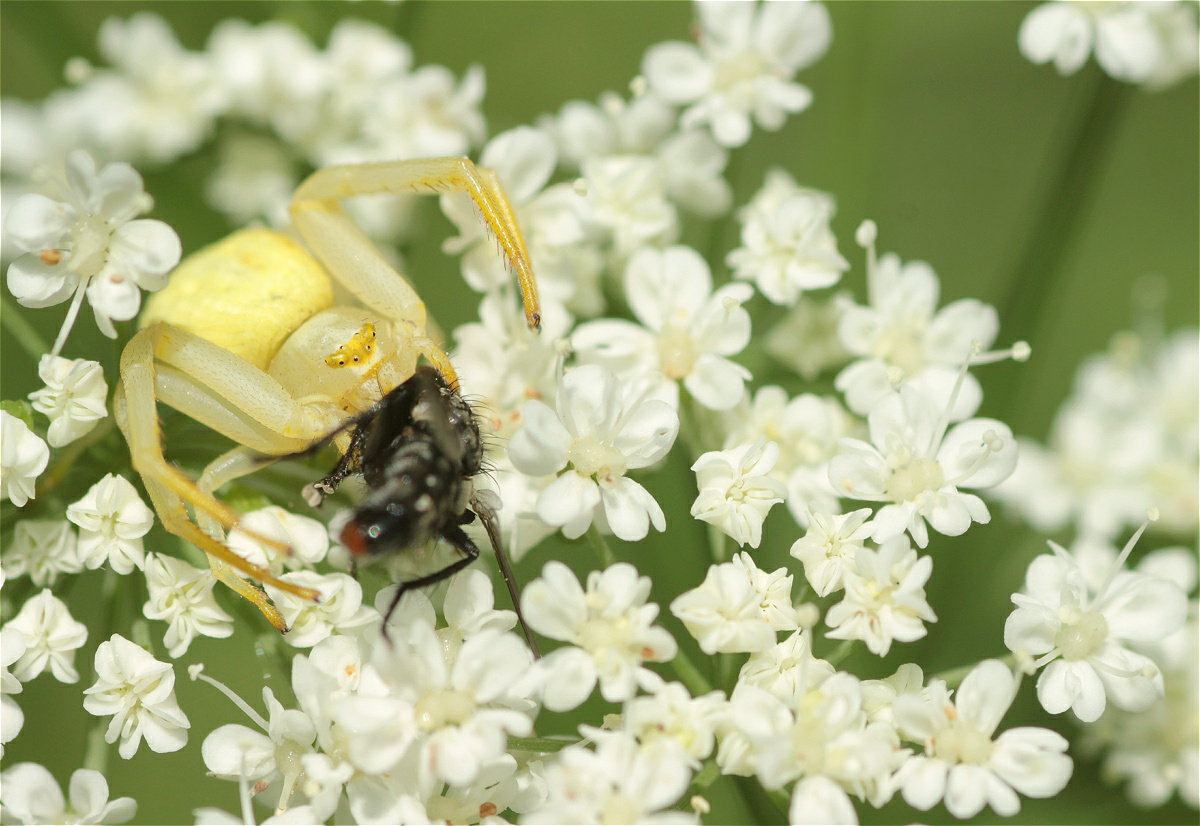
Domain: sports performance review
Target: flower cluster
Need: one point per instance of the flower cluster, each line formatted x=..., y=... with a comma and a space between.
x=681, y=386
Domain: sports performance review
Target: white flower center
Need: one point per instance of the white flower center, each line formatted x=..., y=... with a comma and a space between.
x=91, y=235
x=591, y=458
x=597, y=636
x=676, y=351
x=901, y=346
x=733, y=72
x=910, y=480
x=444, y=708
x=1079, y=638
x=620, y=808
x=962, y=743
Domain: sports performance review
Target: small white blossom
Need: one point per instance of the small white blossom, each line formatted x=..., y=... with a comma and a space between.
x=787, y=669
x=885, y=597
x=89, y=241
x=743, y=65
x=1081, y=632
x=901, y=337
x=672, y=712
x=917, y=467
x=727, y=613
x=687, y=331
x=139, y=692
x=73, y=399
x=42, y=548
x=181, y=595
x=253, y=181
x=961, y=762
x=628, y=198
x=24, y=457
x=31, y=795
x=620, y=782
x=807, y=340
x=601, y=429
x=829, y=547
x=806, y=429
x=609, y=629
x=112, y=520
x=306, y=538
x=52, y=636
x=1152, y=43
x=736, y=492
x=787, y=245
x=340, y=609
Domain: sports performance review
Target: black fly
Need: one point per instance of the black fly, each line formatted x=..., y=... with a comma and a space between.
x=418, y=450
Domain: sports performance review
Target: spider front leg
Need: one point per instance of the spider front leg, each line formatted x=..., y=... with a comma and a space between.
x=260, y=415
x=351, y=257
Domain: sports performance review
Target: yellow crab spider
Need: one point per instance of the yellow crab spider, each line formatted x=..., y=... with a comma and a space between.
x=248, y=338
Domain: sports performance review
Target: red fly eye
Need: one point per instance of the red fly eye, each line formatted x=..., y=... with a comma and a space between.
x=354, y=538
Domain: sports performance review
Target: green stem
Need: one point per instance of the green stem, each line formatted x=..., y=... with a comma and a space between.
x=690, y=675
x=1057, y=218
x=600, y=547
x=840, y=653
x=541, y=745
x=22, y=331
x=71, y=455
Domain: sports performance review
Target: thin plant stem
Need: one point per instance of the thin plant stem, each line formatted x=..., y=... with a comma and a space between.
x=690, y=675
x=22, y=331
x=69, y=321
x=1057, y=217
x=541, y=745
x=600, y=547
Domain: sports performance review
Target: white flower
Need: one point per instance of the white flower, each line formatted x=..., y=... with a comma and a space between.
x=31, y=795
x=89, y=240
x=236, y=751
x=456, y=709
x=51, y=638
x=672, y=712
x=918, y=468
x=42, y=548
x=727, y=612
x=24, y=457
x=807, y=340
x=787, y=246
x=139, y=692
x=602, y=429
x=829, y=547
x=735, y=491
x=806, y=429
x=73, y=399
x=885, y=597
x=1156, y=750
x=620, y=782
x=307, y=539
x=339, y=611
x=787, y=669
x=470, y=609
x=687, y=331
x=609, y=629
x=627, y=196
x=961, y=762
x=1151, y=43
x=12, y=719
x=900, y=337
x=181, y=595
x=112, y=520
x=1080, y=632
x=824, y=733
x=253, y=181
x=743, y=65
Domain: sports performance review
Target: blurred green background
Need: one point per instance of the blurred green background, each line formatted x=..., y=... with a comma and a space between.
x=1049, y=197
